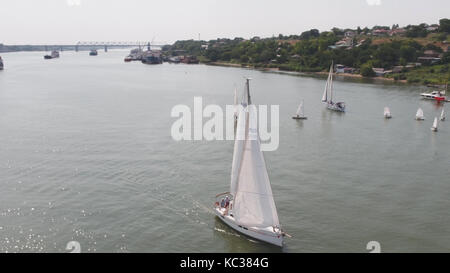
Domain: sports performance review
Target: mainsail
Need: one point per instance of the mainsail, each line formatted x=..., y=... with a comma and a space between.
x=253, y=203
x=387, y=112
x=328, y=85
x=435, y=123
x=235, y=103
x=419, y=114
x=300, y=110
x=442, y=115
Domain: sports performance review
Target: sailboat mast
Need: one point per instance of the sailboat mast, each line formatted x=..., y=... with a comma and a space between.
x=247, y=87
x=331, y=82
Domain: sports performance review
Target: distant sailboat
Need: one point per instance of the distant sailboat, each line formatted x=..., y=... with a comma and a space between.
x=419, y=114
x=442, y=115
x=435, y=125
x=300, y=112
x=387, y=113
x=328, y=94
x=249, y=207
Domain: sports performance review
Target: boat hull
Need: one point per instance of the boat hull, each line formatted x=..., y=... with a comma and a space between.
x=299, y=118
x=335, y=107
x=261, y=235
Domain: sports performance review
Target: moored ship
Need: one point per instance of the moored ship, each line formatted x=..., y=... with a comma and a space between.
x=435, y=95
x=93, y=52
x=152, y=57
x=54, y=54
x=190, y=60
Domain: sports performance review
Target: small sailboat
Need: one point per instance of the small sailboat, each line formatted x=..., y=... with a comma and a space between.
x=387, y=113
x=419, y=114
x=249, y=207
x=435, y=125
x=300, y=113
x=93, y=52
x=442, y=115
x=328, y=94
x=1, y=63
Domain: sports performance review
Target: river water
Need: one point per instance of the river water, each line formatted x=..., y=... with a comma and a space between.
x=86, y=155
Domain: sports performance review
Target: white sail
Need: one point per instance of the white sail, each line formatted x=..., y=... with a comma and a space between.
x=419, y=114
x=238, y=149
x=235, y=101
x=331, y=83
x=442, y=115
x=435, y=123
x=253, y=204
x=300, y=110
x=387, y=112
x=325, y=92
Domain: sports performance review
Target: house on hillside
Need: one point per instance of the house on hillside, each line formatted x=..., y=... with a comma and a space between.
x=433, y=28
x=431, y=53
x=428, y=60
x=350, y=34
x=380, y=32
x=344, y=43
x=397, y=32
x=379, y=71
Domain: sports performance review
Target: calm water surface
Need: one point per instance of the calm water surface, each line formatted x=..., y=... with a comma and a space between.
x=86, y=155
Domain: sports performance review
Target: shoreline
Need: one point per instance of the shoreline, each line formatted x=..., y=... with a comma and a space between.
x=321, y=73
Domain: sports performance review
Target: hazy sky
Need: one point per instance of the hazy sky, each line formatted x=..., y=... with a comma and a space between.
x=70, y=21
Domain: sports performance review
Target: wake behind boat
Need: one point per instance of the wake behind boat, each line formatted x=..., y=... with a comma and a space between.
x=328, y=94
x=249, y=207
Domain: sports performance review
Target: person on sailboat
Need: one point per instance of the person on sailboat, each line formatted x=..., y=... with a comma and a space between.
x=222, y=203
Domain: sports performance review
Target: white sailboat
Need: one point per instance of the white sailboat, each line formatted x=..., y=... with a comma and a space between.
x=442, y=115
x=249, y=207
x=387, y=113
x=236, y=106
x=419, y=114
x=300, y=112
x=435, y=125
x=328, y=94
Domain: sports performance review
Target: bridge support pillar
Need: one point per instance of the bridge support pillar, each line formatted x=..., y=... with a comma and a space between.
x=76, y=48
x=106, y=48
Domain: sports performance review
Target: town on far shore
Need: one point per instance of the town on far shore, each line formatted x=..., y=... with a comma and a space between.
x=413, y=53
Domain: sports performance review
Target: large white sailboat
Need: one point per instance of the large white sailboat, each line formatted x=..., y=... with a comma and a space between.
x=328, y=94
x=249, y=207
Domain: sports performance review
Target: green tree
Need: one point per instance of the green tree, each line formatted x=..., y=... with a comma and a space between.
x=367, y=70
x=444, y=25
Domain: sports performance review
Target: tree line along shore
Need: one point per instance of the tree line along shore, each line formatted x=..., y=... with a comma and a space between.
x=414, y=53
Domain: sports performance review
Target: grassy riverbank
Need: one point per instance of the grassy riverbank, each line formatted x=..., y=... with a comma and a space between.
x=414, y=54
